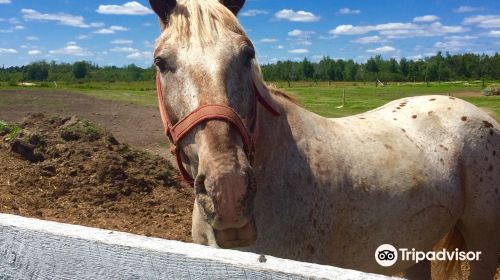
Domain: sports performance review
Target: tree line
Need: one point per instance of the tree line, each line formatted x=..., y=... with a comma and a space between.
x=80, y=71
x=435, y=68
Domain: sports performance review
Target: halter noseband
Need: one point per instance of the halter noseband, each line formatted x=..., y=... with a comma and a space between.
x=202, y=114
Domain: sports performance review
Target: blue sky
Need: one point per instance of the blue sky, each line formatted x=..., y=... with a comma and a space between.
x=120, y=32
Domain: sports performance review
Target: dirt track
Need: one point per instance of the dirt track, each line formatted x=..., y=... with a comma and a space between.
x=139, y=126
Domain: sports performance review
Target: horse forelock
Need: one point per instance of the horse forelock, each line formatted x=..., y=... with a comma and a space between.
x=200, y=21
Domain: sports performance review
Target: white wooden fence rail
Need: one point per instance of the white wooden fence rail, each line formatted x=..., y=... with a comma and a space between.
x=36, y=249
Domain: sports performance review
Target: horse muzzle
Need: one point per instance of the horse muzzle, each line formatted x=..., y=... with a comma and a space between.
x=237, y=237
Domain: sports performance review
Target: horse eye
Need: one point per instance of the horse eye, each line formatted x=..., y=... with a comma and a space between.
x=161, y=64
x=248, y=54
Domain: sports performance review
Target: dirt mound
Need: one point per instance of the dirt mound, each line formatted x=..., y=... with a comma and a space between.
x=71, y=171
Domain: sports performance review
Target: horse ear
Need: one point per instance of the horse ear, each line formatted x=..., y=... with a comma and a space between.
x=234, y=5
x=163, y=8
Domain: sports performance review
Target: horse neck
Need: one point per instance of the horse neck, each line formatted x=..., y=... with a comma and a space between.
x=278, y=136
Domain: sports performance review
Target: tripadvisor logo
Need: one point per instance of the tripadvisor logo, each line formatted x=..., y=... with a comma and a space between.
x=387, y=255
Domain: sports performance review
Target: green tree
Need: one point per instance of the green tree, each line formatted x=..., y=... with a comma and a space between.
x=80, y=69
x=36, y=71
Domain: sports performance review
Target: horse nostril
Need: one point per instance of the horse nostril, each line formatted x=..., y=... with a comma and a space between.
x=199, y=185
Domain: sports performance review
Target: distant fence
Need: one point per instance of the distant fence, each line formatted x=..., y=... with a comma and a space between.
x=36, y=249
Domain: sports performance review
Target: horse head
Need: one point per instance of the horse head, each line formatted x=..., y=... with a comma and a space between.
x=207, y=70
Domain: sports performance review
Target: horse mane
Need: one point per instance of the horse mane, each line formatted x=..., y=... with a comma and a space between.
x=206, y=20
x=278, y=92
x=273, y=89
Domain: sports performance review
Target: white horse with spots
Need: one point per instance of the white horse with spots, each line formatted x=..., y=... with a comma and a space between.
x=314, y=189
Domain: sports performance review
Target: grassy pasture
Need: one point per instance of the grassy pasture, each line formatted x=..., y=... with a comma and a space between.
x=322, y=98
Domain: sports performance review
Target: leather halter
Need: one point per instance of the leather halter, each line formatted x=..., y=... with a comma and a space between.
x=176, y=132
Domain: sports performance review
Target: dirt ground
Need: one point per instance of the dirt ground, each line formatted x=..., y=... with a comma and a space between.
x=138, y=126
x=71, y=171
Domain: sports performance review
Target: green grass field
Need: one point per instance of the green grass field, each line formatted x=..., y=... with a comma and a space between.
x=325, y=100
x=320, y=98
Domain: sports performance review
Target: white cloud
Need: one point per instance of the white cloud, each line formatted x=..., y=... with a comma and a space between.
x=363, y=29
x=5, y=2
x=431, y=30
x=369, y=40
x=129, y=8
x=97, y=24
x=399, y=30
x=415, y=57
x=268, y=40
x=460, y=38
x=426, y=18
x=299, y=16
x=61, y=18
x=483, y=21
x=451, y=45
x=303, y=42
x=2, y=51
x=383, y=50
x=280, y=47
x=111, y=30
x=122, y=42
x=12, y=29
x=124, y=50
x=467, y=9
x=82, y=37
x=34, y=52
x=32, y=38
x=347, y=11
x=140, y=55
x=300, y=33
x=71, y=49
x=492, y=33
x=298, y=51
x=327, y=37
x=254, y=12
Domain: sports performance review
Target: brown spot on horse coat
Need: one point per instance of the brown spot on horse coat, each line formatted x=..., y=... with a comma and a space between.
x=414, y=116
x=487, y=124
x=432, y=99
x=464, y=119
x=389, y=147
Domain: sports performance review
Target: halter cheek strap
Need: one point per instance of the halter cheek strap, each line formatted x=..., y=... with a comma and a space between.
x=202, y=114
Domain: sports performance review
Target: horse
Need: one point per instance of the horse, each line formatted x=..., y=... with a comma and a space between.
x=273, y=178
